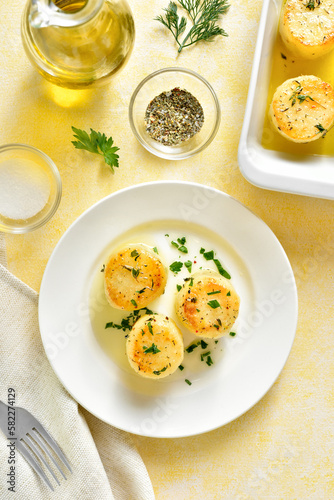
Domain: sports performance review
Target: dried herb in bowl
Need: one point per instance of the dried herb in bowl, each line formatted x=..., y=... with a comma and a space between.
x=173, y=117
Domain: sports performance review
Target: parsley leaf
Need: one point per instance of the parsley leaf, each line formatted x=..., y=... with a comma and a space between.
x=176, y=266
x=214, y=304
x=97, y=143
x=153, y=349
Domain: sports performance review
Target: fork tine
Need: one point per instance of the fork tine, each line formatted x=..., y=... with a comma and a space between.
x=22, y=447
x=41, y=443
x=40, y=456
x=51, y=442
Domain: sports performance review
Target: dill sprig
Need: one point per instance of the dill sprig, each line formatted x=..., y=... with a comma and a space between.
x=204, y=15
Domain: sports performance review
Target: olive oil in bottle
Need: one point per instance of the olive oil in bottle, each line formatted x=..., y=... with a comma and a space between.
x=78, y=43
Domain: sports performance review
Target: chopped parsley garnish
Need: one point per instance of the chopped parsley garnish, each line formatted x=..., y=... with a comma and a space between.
x=181, y=367
x=188, y=381
x=142, y=290
x=188, y=265
x=178, y=287
x=150, y=329
x=214, y=304
x=183, y=249
x=174, y=243
x=128, y=322
x=311, y=4
x=202, y=250
x=167, y=235
x=135, y=272
x=192, y=347
x=155, y=250
x=233, y=334
x=191, y=283
x=182, y=240
x=176, y=267
x=221, y=270
x=133, y=302
x=142, y=332
x=204, y=345
x=152, y=349
x=228, y=294
x=209, y=361
x=204, y=355
x=321, y=129
x=209, y=255
x=134, y=253
x=157, y=372
x=214, y=293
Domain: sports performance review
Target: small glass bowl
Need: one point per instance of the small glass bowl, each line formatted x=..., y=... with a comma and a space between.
x=30, y=188
x=165, y=80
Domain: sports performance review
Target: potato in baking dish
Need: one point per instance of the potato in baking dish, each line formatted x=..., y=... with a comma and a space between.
x=134, y=276
x=307, y=27
x=155, y=346
x=302, y=108
x=207, y=304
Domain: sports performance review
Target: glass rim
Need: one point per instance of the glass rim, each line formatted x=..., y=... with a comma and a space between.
x=58, y=189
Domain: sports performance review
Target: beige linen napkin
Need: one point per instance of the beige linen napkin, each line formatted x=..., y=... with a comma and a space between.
x=104, y=460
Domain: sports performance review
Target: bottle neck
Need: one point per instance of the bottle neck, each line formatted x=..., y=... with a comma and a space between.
x=45, y=13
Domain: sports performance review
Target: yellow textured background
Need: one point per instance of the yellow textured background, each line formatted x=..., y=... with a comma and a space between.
x=283, y=448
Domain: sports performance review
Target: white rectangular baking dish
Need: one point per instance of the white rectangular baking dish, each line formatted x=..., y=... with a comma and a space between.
x=306, y=175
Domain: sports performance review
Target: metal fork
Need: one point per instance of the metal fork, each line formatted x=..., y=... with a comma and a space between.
x=32, y=440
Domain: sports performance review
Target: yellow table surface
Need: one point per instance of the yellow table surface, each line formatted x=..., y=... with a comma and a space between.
x=283, y=447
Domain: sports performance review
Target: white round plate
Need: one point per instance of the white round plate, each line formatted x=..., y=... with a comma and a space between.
x=245, y=365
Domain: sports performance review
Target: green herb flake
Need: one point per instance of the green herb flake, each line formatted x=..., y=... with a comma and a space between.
x=153, y=349
x=321, y=129
x=175, y=244
x=167, y=235
x=150, y=329
x=221, y=270
x=142, y=332
x=192, y=347
x=214, y=304
x=191, y=282
x=214, y=293
x=178, y=287
x=181, y=367
x=134, y=253
x=204, y=345
x=155, y=250
x=188, y=381
x=228, y=294
x=233, y=334
x=188, y=265
x=183, y=249
x=134, y=302
x=158, y=372
x=176, y=267
x=202, y=250
x=209, y=255
x=182, y=240
x=204, y=355
x=209, y=361
x=135, y=272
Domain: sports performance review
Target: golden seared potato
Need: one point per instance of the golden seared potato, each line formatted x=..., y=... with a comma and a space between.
x=155, y=346
x=302, y=109
x=134, y=276
x=307, y=27
x=207, y=304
